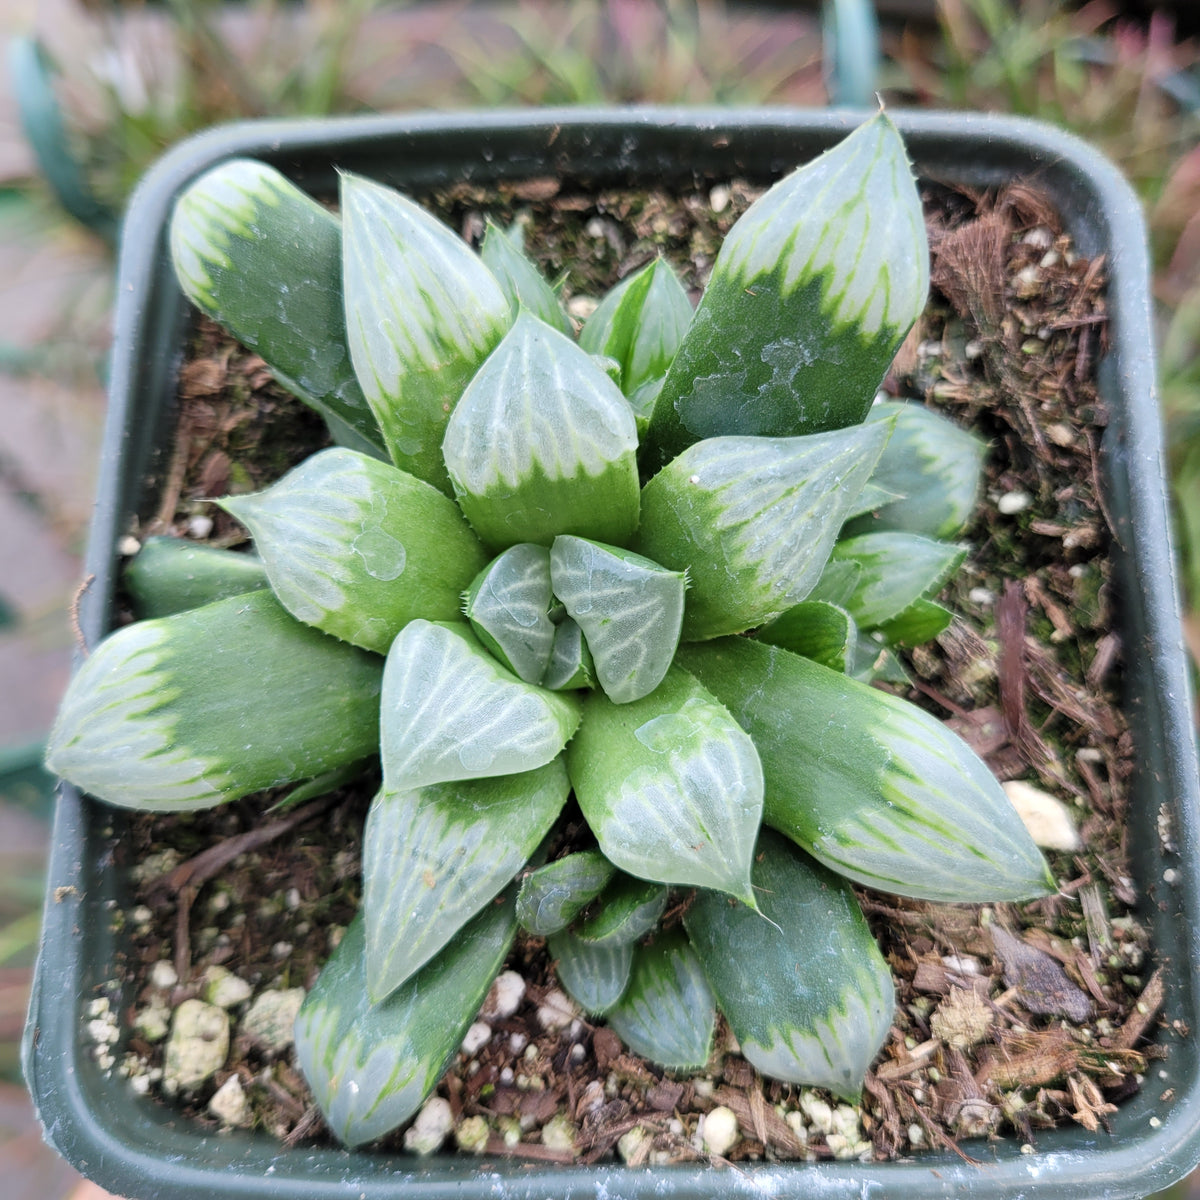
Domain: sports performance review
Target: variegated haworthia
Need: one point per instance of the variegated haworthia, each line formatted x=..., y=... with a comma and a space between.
x=550, y=624
x=812, y=293
x=359, y=549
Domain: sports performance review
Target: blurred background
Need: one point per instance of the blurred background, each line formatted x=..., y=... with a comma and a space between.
x=94, y=90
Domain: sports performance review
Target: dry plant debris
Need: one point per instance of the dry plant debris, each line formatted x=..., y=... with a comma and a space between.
x=1010, y=1018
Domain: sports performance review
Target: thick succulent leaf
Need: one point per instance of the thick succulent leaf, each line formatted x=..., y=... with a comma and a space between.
x=806, y=992
x=422, y=313
x=811, y=295
x=520, y=280
x=542, y=442
x=931, y=468
x=371, y=1066
x=629, y=609
x=571, y=664
x=554, y=895
x=593, y=975
x=359, y=549
x=265, y=261
x=897, y=569
x=818, y=630
x=433, y=857
x=625, y=911
x=753, y=520
x=837, y=582
x=920, y=622
x=871, y=498
x=170, y=575
x=450, y=711
x=508, y=606
x=869, y=784
x=208, y=705
x=640, y=323
x=667, y=1013
x=670, y=785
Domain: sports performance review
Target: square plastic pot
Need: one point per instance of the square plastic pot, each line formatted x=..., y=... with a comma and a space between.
x=138, y=1148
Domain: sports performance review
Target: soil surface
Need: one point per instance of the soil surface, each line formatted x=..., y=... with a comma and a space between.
x=1011, y=1018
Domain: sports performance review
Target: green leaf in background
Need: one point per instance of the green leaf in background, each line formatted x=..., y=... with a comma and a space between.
x=806, y=992
x=640, y=323
x=359, y=549
x=897, y=570
x=815, y=629
x=450, y=711
x=432, y=858
x=422, y=313
x=625, y=911
x=554, y=895
x=753, y=520
x=667, y=1013
x=920, y=622
x=542, y=442
x=508, y=606
x=837, y=583
x=629, y=609
x=931, y=468
x=571, y=664
x=205, y=706
x=593, y=975
x=869, y=784
x=265, y=261
x=371, y=1066
x=170, y=575
x=670, y=785
x=520, y=280
x=813, y=291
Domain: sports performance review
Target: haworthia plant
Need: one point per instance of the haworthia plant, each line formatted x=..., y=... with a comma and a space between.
x=265, y=260
x=359, y=549
x=551, y=625
x=812, y=293
x=267, y=701
x=170, y=575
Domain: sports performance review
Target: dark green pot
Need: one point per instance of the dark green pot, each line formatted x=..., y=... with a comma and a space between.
x=137, y=1148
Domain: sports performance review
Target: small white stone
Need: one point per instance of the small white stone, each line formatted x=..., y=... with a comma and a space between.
x=982, y=596
x=225, y=989
x=703, y=1087
x=140, y=1085
x=582, y=307
x=1040, y=238
x=476, y=1038
x=98, y=1007
x=1170, y=875
x=556, y=1011
x=578, y=1053
x=916, y=1135
x=1050, y=259
x=282, y=950
x=629, y=1146
x=517, y=1042
x=269, y=1019
x=1012, y=503
x=720, y=1131
x=197, y=1046
x=558, y=1133
x=506, y=1076
x=103, y=1033
x=230, y=1106
x=162, y=975
x=142, y=915
x=153, y=1022
x=718, y=198
x=795, y=1122
x=128, y=546
x=818, y=1112
x=1047, y=818
x=504, y=996
x=973, y=350
x=472, y=1135
x=200, y=527
x=431, y=1128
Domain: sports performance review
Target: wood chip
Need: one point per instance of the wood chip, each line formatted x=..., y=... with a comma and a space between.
x=1041, y=983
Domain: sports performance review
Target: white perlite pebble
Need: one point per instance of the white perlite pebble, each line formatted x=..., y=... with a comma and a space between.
x=1047, y=818
x=720, y=1131
x=504, y=997
x=225, y=989
x=197, y=1046
x=431, y=1128
x=163, y=976
x=1014, y=502
x=558, y=1133
x=230, y=1106
x=268, y=1021
x=472, y=1135
x=476, y=1038
x=153, y=1022
x=556, y=1011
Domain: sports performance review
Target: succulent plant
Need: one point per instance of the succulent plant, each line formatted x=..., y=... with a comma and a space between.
x=655, y=569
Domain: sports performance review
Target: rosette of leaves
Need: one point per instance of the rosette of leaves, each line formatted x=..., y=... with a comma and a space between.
x=653, y=570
